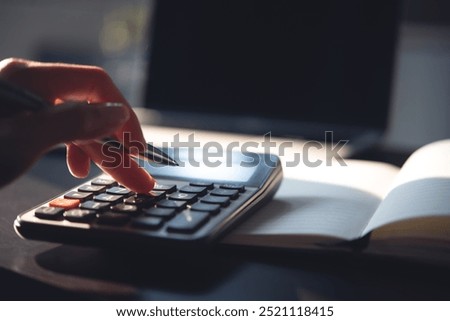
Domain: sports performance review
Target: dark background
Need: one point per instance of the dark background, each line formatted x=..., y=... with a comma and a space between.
x=114, y=33
x=321, y=61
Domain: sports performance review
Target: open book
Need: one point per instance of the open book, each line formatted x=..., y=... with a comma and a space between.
x=400, y=211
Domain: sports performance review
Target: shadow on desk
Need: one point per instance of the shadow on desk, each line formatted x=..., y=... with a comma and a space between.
x=144, y=268
x=17, y=288
x=232, y=273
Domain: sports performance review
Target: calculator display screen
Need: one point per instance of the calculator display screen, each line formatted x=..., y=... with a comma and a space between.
x=234, y=167
x=221, y=173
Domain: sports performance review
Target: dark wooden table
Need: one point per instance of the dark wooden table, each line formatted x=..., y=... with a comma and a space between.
x=46, y=271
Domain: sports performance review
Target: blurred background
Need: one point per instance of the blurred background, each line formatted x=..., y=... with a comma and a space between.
x=114, y=34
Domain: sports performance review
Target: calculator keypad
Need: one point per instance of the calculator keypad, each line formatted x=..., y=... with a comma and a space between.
x=173, y=207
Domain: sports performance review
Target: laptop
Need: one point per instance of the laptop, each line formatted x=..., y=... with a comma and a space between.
x=292, y=68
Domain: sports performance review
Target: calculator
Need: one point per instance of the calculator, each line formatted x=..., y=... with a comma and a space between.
x=191, y=206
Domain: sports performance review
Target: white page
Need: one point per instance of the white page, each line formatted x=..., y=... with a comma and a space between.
x=421, y=189
x=333, y=201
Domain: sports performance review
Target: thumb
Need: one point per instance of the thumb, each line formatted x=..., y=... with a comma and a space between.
x=25, y=137
x=75, y=121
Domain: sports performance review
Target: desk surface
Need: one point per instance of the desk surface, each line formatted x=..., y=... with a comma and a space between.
x=40, y=270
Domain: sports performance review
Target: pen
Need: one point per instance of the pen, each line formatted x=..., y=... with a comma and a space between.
x=14, y=100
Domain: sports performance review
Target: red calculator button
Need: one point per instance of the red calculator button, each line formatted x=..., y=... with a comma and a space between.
x=65, y=203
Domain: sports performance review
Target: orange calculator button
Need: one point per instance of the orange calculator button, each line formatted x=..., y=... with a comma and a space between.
x=65, y=203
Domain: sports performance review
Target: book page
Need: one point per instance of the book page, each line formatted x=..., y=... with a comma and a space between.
x=335, y=202
x=421, y=189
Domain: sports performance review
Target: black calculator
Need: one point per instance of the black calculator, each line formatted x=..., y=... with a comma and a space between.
x=192, y=205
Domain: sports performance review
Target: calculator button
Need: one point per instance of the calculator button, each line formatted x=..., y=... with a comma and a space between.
x=108, y=198
x=125, y=208
x=103, y=181
x=79, y=215
x=203, y=184
x=64, y=203
x=165, y=213
x=231, y=193
x=199, y=190
x=171, y=204
x=78, y=196
x=151, y=223
x=222, y=200
x=49, y=213
x=204, y=207
x=95, y=206
x=158, y=195
x=238, y=187
x=187, y=221
x=111, y=218
x=92, y=189
x=188, y=197
x=141, y=200
x=165, y=188
x=117, y=190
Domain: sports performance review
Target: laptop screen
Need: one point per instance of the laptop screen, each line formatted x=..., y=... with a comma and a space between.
x=316, y=62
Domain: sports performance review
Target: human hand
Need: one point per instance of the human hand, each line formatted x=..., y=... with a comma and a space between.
x=69, y=88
